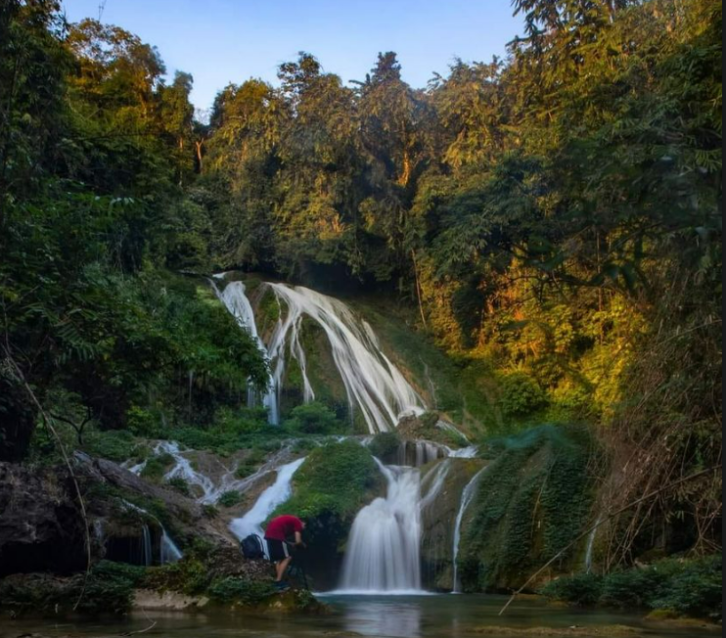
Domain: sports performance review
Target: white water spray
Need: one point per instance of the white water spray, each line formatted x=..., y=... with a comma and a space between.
x=466, y=496
x=277, y=493
x=384, y=543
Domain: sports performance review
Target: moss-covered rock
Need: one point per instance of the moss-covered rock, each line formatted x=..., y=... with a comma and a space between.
x=335, y=481
x=438, y=516
x=532, y=501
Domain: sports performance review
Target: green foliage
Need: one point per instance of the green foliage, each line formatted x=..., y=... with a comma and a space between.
x=110, y=587
x=333, y=483
x=157, y=466
x=313, y=418
x=117, y=446
x=579, y=589
x=521, y=395
x=180, y=485
x=684, y=587
x=240, y=590
x=190, y=575
x=385, y=444
x=230, y=498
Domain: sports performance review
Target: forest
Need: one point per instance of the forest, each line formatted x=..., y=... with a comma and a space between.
x=549, y=222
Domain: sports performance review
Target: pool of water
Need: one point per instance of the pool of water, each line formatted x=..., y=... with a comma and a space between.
x=457, y=616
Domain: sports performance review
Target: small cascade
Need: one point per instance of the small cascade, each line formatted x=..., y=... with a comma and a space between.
x=277, y=493
x=183, y=469
x=169, y=552
x=146, y=545
x=590, y=546
x=466, y=496
x=419, y=452
x=383, y=554
x=432, y=483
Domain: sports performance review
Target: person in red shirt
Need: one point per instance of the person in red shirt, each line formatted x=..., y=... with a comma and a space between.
x=279, y=529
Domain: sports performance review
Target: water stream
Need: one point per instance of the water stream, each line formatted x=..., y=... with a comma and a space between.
x=466, y=497
x=277, y=493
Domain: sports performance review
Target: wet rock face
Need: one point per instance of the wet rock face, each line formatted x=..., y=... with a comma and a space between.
x=40, y=525
x=42, y=528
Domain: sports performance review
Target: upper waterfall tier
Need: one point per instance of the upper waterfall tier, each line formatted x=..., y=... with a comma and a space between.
x=373, y=384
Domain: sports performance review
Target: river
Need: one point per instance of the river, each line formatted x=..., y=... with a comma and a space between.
x=444, y=615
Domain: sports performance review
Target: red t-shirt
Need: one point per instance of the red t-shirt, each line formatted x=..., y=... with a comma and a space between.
x=283, y=526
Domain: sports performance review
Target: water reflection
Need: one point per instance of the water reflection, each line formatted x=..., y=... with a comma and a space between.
x=374, y=618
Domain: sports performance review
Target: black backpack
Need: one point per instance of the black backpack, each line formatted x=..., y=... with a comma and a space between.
x=252, y=547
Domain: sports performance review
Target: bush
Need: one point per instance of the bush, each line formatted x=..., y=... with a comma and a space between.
x=695, y=590
x=178, y=484
x=385, y=445
x=157, y=466
x=521, y=395
x=580, y=589
x=115, y=445
x=230, y=498
x=314, y=418
x=691, y=588
x=110, y=587
x=329, y=489
x=230, y=589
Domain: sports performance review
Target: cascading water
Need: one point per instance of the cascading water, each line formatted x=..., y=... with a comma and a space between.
x=466, y=497
x=590, y=546
x=372, y=383
x=168, y=551
x=432, y=483
x=235, y=300
x=384, y=543
x=146, y=544
x=278, y=492
x=183, y=469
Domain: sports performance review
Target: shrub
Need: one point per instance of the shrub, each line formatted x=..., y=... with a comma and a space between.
x=232, y=589
x=115, y=445
x=156, y=466
x=110, y=587
x=695, y=590
x=521, y=395
x=580, y=589
x=178, y=484
x=691, y=587
x=385, y=444
x=314, y=418
x=230, y=498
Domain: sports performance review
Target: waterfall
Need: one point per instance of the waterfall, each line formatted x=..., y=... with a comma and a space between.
x=384, y=543
x=277, y=493
x=169, y=552
x=235, y=300
x=590, y=546
x=373, y=384
x=466, y=497
x=146, y=544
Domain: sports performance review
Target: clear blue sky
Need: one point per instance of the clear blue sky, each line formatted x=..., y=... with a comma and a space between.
x=222, y=41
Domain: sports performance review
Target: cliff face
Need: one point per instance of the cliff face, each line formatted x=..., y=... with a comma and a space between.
x=42, y=527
